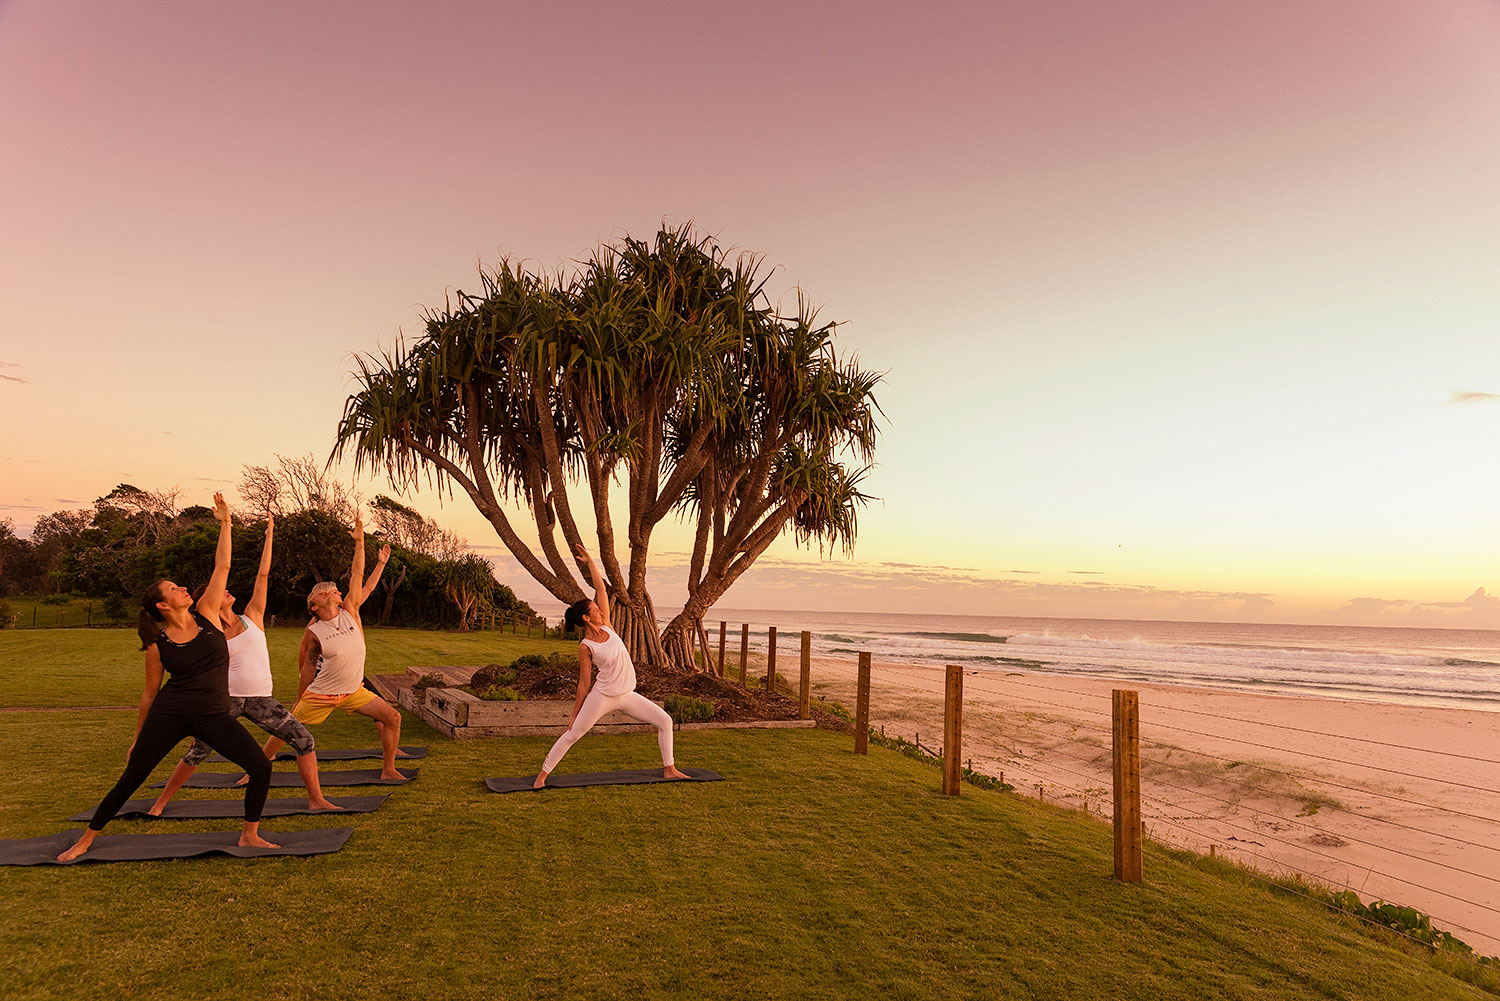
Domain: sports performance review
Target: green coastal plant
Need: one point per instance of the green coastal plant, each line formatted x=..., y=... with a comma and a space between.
x=686, y=709
x=429, y=680
x=498, y=693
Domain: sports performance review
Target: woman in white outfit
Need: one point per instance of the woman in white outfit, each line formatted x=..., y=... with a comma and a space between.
x=602, y=647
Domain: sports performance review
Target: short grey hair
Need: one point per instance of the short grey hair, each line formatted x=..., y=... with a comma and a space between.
x=318, y=588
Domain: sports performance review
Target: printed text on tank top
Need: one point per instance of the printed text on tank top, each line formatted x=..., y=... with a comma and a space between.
x=340, y=667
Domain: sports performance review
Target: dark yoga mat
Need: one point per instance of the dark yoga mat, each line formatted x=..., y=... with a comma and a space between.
x=202, y=809
x=141, y=847
x=344, y=754
x=639, y=776
x=291, y=780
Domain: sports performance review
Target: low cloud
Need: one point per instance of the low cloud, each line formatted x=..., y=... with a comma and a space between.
x=1480, y=610
x=1462, y=396
x=11, y=378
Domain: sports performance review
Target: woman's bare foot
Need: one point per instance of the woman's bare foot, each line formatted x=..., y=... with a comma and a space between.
x=255, y=841
x=243, y=780
x=250, y=836
x=322, y=804
x=155, y=809
x=393, y=775
x=541, y=780
x=79, y=847
x=671, y=772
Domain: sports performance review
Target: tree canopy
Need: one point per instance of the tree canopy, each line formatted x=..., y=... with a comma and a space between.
x=659, y=367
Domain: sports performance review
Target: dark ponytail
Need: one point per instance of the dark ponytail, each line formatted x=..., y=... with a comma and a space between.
x=573, y=617
x=147, y=618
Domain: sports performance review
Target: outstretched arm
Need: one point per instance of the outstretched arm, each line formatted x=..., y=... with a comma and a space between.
x=148, y=694
x=355, y=594
x=307, y=661
x=256, y=610
x=374, y=578
x=585, y=672
x=601, y=593
x=213, y=595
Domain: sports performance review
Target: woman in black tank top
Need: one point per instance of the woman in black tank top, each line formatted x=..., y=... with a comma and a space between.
x=182, y=642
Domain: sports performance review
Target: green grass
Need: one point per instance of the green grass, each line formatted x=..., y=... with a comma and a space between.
x=810, y=873
x=57, y=611
x=102, y=667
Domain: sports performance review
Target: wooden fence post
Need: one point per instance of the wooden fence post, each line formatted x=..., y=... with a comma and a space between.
x=744, y=655
x=953, y=729
x=771, y=659
x=723, y=628
x=862, y=707
x=804, y=707
x=1127, y=766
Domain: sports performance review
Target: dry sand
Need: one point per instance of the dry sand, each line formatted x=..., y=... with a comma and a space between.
x=1249, y=774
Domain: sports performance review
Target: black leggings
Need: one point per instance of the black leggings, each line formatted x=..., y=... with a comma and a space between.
x=163, y=731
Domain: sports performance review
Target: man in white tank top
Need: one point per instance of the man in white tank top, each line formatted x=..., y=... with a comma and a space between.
x=615, y=687
x=331, y=661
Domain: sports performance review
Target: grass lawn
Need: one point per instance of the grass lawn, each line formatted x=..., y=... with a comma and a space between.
x=810, y=873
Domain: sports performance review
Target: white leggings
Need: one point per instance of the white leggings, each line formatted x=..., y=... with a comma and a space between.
x=596, y=704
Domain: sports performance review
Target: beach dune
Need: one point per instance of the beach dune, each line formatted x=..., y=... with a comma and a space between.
x=1398, y=803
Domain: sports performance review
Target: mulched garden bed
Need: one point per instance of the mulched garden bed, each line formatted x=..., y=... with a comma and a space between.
x=557, y=680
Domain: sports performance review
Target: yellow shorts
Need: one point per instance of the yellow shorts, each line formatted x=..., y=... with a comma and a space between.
x=315, y=708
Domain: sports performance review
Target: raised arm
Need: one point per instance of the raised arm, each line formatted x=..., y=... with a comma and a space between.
x=601, y=593
x=374, y=578
x=355, y=595
x=256, y=610
x=213, y=595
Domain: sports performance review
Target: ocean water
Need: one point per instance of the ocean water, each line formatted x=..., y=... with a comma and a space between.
x=1458, y=668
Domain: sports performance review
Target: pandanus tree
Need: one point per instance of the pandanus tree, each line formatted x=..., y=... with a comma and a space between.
x=659, y=369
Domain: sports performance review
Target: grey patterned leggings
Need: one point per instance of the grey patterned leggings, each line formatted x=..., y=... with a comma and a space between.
x=266, y=713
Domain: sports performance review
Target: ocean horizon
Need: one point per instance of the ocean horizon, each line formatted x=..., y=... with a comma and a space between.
x=1397, y=665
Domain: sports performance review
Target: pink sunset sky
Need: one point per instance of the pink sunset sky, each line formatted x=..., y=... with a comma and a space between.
x=1188, y=310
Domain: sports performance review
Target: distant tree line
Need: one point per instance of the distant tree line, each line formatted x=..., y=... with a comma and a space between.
x=132, y=538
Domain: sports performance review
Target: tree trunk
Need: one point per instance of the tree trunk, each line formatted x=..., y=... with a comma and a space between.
x=636, y=624
x=390, y=596
x=676, y=638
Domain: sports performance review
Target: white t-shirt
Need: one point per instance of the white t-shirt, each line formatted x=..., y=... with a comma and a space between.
x=341, y=667
x=616, y=672
x=249, y=663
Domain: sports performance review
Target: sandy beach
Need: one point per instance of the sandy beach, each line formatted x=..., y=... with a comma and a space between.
x=1395, y=802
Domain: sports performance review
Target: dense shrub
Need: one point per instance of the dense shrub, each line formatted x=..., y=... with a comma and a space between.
x=116, y=606
x=686, y=709
x=492, y=676
x=427, y=681
x=548, y=661
x=498, y=693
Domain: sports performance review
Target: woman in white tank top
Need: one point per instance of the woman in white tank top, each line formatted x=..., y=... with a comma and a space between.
x=250, y=691
x=615, y=686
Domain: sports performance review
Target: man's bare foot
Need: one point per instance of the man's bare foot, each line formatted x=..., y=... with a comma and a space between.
x=322, y=804
x=671, y=772
x=155, y=809
x=243, y=780
x=393, y=775
x=79, y=847
x=541, y=780
x=255, y=841
x=402, y=754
